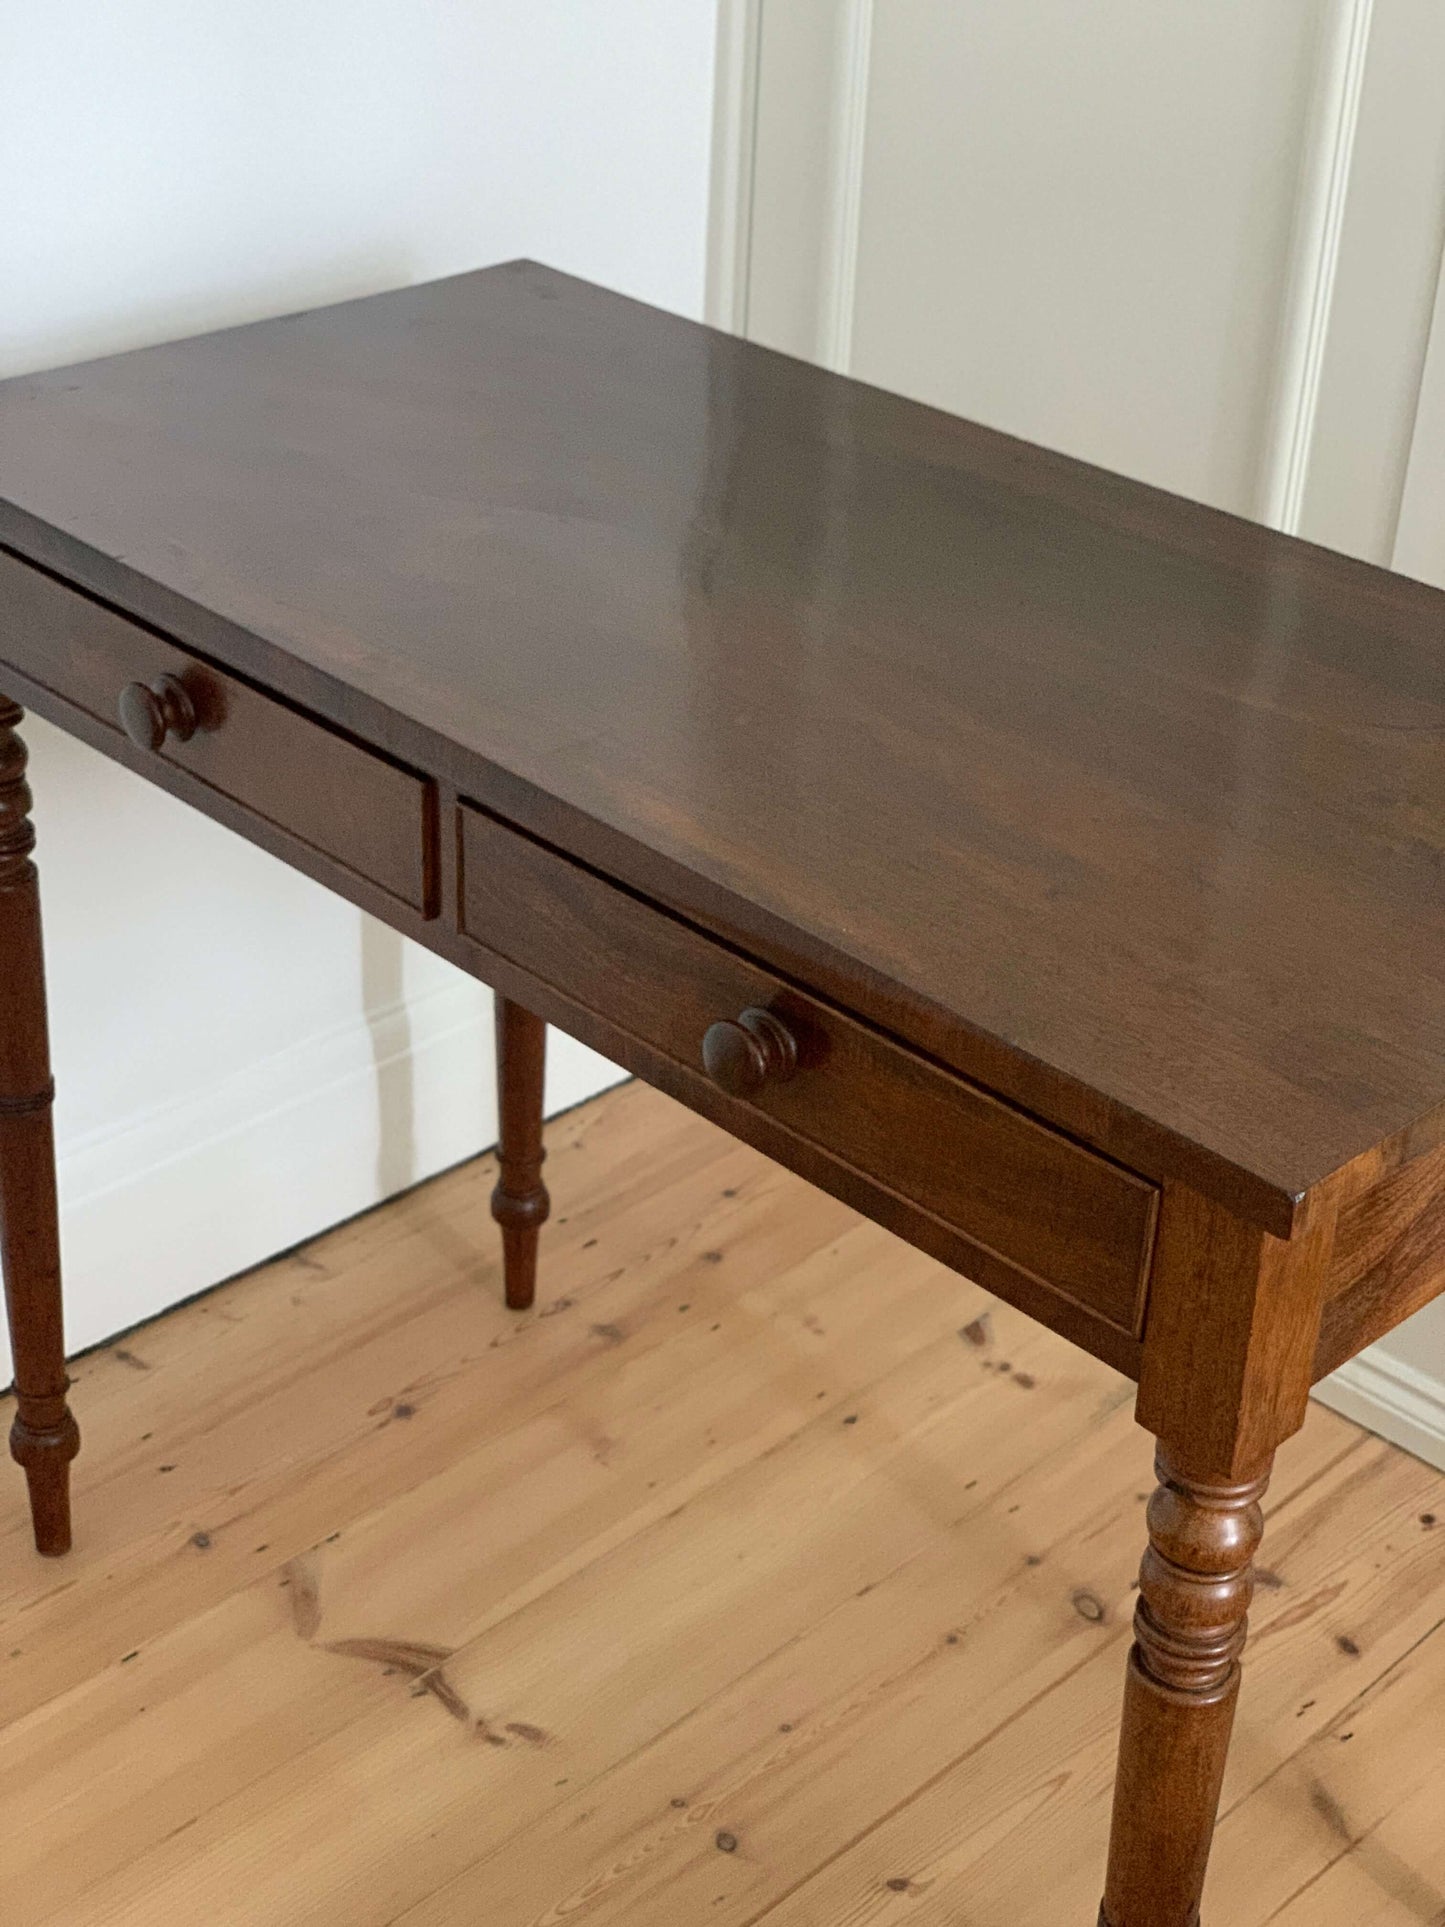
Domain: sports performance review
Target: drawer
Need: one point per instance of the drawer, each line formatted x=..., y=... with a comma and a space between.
x=283, y=766
x=1027, y=1203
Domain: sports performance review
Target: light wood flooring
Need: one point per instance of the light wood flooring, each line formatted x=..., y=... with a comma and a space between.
x=766, y=1573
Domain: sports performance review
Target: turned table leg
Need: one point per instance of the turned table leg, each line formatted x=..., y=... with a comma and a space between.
x=1183, y=1680
x=520, y=1203
x=43, y=1438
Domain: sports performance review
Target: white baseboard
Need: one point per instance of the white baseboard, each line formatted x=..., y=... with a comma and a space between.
x=173, y=1201
x=1396, y=1400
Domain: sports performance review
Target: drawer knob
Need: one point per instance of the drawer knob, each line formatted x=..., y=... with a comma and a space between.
x=741, y=1057
x=151, y=712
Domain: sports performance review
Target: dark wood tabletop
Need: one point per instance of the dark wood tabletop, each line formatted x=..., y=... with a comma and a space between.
x=1131, y=810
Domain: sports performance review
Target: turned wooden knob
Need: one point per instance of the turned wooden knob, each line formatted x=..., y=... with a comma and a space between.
x=151, y=712
x=741, y=1057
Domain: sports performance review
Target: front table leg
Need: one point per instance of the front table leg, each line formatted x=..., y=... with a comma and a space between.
x=519, y=1202
x=43, y=1438
x=1183, y=1680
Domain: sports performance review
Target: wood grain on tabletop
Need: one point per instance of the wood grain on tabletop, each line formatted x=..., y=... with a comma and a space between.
x=1117, y=803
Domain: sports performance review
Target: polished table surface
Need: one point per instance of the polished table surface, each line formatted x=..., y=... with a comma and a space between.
x=1121, y=805
x=1124, y=810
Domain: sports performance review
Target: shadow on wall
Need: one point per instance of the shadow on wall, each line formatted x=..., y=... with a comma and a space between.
x=383, y=1000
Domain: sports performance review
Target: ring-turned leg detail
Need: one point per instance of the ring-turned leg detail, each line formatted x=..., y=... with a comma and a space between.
x=1183, y=1680
x=43, y=1438
x=520, y=1202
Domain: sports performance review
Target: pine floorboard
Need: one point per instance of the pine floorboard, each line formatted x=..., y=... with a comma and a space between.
x=766, y=1573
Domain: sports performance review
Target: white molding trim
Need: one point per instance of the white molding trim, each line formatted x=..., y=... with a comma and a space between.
x=845, y=214
x=167, y=1203
x=1319, y=228
x=1384, y=1394
x=1419, y=546
x=734, y=142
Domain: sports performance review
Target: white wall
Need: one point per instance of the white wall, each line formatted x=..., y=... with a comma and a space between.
x=241, y=1058
x=1124, y=310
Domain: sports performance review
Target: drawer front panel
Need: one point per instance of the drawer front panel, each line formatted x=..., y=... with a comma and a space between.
x=295, y=772
x=1081, y=1226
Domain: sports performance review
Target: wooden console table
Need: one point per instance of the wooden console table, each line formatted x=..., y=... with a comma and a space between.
x=1050, y=867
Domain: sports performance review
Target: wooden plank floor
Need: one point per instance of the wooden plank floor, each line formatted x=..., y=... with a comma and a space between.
x=767, y=1573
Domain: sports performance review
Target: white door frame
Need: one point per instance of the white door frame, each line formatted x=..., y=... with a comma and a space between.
x=1363, y=278
x=734, y=139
